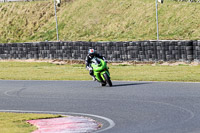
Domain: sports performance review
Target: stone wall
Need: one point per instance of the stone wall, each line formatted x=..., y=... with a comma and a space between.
x=113, y=51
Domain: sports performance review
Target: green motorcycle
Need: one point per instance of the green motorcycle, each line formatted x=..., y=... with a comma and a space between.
x=101, y=72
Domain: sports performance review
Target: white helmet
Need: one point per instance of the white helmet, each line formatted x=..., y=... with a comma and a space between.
x=91, y=52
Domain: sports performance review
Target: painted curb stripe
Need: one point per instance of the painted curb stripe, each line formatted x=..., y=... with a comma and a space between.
x=69, y=124
x=111, y=123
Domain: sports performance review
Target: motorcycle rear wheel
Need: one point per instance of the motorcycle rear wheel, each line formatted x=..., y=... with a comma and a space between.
x=107, y=78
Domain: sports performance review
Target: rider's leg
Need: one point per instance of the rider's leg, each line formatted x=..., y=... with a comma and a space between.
x=92, y=74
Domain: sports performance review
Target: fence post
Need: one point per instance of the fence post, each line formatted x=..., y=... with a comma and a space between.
x=157, y=19
x=56, y=21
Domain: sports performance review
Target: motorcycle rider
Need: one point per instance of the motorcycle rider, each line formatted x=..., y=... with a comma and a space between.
x=89, y=57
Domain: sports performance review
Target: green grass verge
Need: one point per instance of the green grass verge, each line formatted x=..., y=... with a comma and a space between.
x=16, y=122
x=47, y=71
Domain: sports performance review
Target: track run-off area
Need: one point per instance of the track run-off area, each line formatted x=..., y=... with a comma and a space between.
x=127, y=107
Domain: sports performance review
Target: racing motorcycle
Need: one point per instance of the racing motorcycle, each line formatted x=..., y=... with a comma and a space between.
x=101, y=72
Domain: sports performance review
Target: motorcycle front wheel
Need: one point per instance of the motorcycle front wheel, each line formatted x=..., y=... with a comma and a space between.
x=107, y=78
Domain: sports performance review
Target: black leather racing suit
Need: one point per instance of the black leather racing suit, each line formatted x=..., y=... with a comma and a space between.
x=88, y=61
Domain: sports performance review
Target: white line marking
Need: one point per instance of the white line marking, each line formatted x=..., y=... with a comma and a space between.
x=179, y=107
x=192, y=114
x=7, y=92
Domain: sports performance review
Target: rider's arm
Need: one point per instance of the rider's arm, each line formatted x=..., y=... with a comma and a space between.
x=102, y=57
x=99, y=56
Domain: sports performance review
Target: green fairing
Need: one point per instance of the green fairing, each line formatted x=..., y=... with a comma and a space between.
x=99, y=70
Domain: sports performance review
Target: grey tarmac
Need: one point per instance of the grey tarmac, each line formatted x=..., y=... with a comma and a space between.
x=133, y=107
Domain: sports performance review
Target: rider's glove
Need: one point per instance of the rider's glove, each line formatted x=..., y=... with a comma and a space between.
x=87, y=67
x=90, y=68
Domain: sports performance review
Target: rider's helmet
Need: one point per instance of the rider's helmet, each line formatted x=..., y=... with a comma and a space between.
x=91, y=52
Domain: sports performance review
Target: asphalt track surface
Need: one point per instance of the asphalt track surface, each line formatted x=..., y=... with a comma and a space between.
x=127, y=107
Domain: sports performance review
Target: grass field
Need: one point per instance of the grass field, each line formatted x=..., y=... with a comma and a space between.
x=16, y=122
x=48, y=71
x=98, y=20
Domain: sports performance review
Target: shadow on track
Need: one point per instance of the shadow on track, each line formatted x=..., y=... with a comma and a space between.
x=130, y=84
